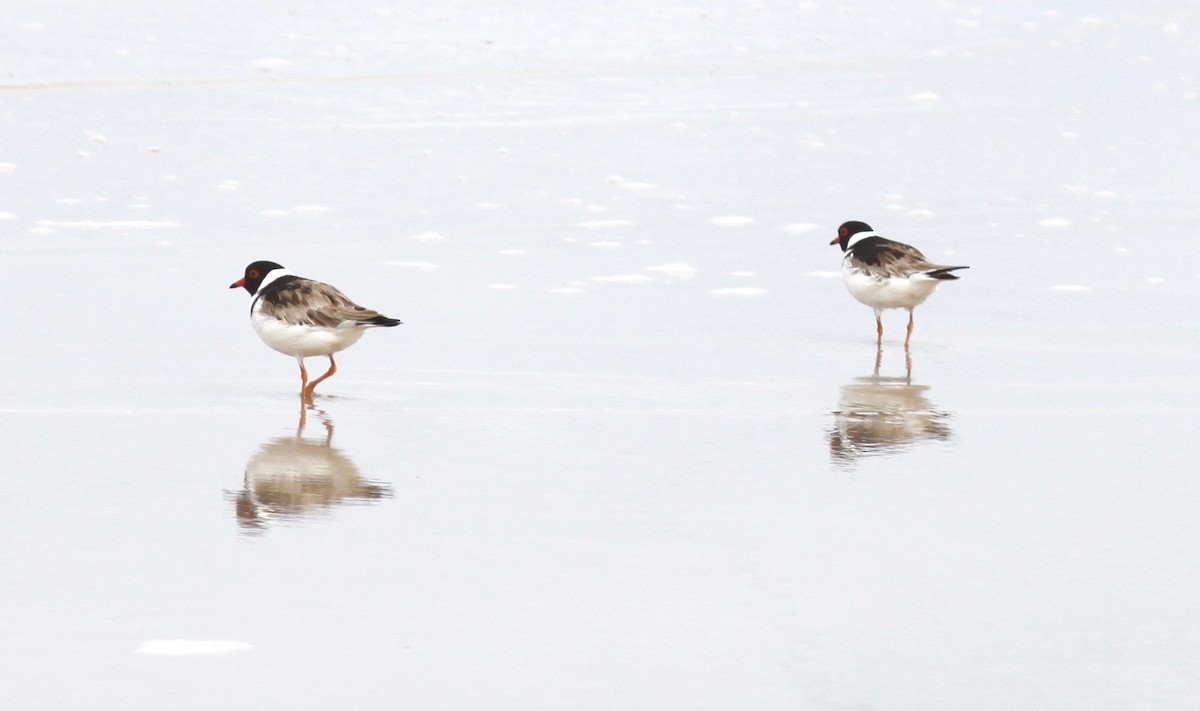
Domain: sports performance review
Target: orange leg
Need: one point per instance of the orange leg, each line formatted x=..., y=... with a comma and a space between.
x=308, y=391
x=303, y=374
x=878, y=330
x=910, y=328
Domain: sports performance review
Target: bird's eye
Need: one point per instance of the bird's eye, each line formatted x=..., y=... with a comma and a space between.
x=253, y=273
x=842, y=231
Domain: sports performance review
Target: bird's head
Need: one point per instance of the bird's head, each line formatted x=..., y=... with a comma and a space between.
x=848, y=230
x=255, y=273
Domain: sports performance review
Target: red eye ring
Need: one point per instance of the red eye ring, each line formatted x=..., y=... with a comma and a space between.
x=842, y=231
x=253, y=273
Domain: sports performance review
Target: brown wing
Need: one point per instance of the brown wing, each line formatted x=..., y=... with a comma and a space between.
x=310, y=303
x=883, y=257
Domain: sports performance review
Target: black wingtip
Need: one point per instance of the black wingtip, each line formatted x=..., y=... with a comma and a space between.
x=945, y=273
x=382, y=320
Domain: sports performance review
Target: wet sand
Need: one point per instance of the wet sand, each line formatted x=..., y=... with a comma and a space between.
x=634, y=445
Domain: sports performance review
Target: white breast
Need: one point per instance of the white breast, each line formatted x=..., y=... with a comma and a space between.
x=303, y=341
x=887, y=292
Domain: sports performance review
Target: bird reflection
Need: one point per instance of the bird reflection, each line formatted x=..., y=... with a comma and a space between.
x=883, y=415
x=296, y=477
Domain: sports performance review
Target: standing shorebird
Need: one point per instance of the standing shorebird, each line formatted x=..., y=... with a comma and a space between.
x=304, y=318
x=887, y=275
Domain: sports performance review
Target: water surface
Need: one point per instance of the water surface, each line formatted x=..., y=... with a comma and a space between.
x=634, y=445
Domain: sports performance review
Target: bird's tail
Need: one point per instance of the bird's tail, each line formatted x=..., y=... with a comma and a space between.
x=943, y=273
x=382, y=320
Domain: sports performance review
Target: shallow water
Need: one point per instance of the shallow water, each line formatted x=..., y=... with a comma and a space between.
x=634, y=445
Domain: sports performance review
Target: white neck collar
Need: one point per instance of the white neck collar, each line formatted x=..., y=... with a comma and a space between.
x=859, y=237
x=275, y=274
